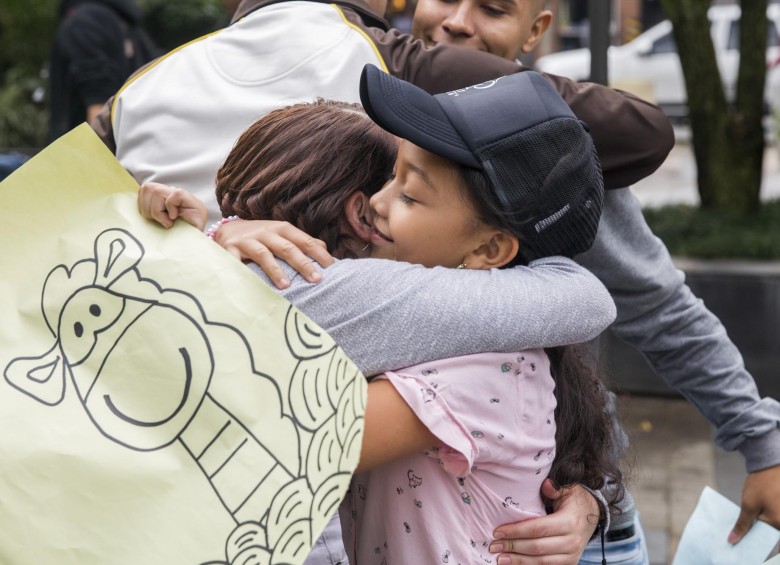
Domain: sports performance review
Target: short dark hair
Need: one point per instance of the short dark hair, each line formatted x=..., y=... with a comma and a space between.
x=301, y=163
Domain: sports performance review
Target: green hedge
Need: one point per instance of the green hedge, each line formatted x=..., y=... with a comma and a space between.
x=692, y=232
x=174, y=22
x=26, y=31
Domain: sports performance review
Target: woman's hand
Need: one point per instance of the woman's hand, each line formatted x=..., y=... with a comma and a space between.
x=557, y=539
x=262, y=241
x=164, y=204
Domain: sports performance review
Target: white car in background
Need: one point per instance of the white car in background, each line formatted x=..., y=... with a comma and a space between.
x=650, y=67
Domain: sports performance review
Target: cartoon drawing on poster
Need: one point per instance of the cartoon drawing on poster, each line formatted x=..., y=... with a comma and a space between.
x=140, y=357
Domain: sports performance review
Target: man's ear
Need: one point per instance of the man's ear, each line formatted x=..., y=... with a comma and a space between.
x=359, y=215
x=496, y=250
x=538, y=27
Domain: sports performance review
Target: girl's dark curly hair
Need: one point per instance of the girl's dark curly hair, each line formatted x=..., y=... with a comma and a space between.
x=586, y=442
x=587, y=446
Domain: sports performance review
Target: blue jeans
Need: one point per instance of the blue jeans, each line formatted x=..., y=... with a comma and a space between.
x=629, y=551
x=329, y=548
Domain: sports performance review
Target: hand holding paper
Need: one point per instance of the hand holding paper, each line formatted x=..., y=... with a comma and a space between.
x=760, y=501
x=704, y=540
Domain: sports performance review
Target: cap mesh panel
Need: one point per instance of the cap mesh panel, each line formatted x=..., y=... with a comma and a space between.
x=549, y=180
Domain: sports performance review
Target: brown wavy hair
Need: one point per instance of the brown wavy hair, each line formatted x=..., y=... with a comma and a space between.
x=301, y=163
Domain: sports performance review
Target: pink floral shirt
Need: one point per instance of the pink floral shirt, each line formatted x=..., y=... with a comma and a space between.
x=493, y=413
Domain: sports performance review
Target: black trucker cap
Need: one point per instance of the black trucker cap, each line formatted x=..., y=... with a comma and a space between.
x=539, y=158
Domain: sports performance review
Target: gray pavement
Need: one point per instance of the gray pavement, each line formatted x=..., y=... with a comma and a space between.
x=672, y=459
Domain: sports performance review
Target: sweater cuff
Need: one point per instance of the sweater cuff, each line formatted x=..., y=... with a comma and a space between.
x=761, y=452
x=603, y=512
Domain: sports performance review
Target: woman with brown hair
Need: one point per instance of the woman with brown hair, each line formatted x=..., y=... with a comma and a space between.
x=304, y=164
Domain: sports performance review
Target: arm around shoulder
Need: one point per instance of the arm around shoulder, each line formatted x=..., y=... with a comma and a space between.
x=388, y=314
x=632, y=137
x=573, y=288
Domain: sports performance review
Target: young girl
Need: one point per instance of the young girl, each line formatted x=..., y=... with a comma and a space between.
x=486, y=422
x=498, y=174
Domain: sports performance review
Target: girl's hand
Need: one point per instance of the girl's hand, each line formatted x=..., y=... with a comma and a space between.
x=262, y=241
x=165, y=204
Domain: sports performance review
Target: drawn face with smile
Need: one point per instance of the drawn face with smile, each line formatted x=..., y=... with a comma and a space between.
x=136, y=400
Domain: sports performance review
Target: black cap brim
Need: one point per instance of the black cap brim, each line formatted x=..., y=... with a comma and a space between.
x=411, y=113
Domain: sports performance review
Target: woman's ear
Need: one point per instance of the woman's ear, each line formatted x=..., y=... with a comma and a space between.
x=496, y=250
x=359, y=215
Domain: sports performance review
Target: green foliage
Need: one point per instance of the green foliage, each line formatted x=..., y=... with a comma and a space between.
x=171, y=23
x=27, y=30
x=694, y=232
x=26, y=33
x=23, y=122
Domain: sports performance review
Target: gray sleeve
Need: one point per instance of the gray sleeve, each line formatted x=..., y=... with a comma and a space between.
x=683, y=341
x=387, y=314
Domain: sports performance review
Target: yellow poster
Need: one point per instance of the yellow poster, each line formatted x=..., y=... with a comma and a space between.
x=159, y=404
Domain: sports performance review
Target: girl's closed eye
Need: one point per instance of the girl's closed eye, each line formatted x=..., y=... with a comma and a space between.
x=408, y=200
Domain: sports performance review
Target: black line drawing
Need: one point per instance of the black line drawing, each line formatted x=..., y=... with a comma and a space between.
x=104, y=316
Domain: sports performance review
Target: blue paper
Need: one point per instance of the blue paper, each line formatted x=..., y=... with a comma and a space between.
x=704, y=540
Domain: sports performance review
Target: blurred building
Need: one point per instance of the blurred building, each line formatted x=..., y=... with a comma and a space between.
x=400, y=13
x=571, y=25
x=570, y=28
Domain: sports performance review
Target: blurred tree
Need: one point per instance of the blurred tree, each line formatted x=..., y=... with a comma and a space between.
x=728, y=139
x=26, y=31
x=174, y=22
